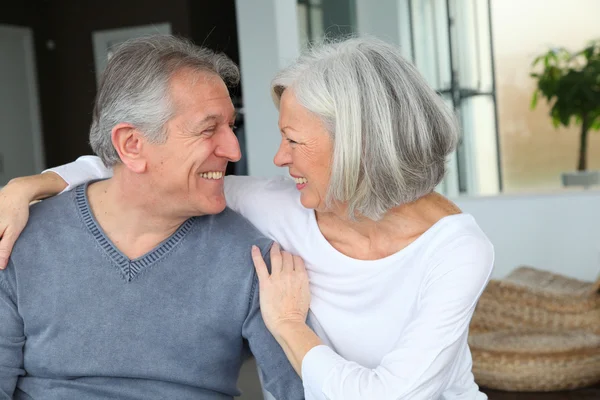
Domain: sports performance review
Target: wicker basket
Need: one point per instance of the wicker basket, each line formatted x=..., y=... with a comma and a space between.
x=536, y=361
x=530, y=299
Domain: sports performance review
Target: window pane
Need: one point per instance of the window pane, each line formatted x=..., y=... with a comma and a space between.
x=472, y=44
x=317, y=18
x=303, y=32
x=430, y=28
x=450, y=184
x=534, y=153
x=479, y=143
x=316, y=22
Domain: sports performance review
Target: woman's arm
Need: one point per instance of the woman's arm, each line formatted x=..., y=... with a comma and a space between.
x=418, y=366
x=16, y=196
x=82, y=170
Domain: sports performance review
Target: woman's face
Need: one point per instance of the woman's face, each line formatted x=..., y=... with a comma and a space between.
x=306, y=150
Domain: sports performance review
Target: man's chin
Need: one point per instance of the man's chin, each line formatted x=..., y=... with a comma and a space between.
x=214, y=207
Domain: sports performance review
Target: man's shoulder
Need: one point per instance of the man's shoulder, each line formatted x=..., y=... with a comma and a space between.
x=52, y=205
x=228, y=229
x=230, y=225
x=49, y=217
x=48, y=230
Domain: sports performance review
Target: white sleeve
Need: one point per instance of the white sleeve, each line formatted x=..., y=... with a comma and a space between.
x=240, y=192
x=84, y=169
x=417, y=367
x=259, y=200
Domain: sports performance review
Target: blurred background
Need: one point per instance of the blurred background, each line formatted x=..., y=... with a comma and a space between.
x=527, y=171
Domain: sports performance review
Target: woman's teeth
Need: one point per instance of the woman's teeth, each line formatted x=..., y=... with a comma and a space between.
x=212, y=175
x=300, y=181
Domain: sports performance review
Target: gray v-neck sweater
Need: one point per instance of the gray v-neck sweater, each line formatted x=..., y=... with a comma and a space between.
x=79, y=320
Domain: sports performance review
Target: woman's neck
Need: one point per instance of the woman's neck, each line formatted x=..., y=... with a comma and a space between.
x=366, y=239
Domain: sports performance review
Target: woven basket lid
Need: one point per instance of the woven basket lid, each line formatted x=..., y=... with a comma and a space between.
x=536, y=342
x=550, y=283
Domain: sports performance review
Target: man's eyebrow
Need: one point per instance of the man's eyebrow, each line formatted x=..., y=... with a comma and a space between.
x=209, y=118
x=216, y=117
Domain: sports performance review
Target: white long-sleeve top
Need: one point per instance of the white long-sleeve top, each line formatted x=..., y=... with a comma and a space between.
x=393, y=328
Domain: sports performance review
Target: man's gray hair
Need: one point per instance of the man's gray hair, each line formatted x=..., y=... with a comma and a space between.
x=392, y=133
x=135, y=87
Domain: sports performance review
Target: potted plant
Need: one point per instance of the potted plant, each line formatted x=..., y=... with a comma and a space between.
x=571, y=83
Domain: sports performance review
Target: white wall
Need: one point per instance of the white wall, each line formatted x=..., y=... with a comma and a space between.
x=268, y=41
x=20, y=127
x=557, y=232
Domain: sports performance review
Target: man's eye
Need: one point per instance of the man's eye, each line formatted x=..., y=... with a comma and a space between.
x=290, y=141
x=209, y=131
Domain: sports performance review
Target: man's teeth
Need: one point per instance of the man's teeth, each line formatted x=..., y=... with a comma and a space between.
x=300, y=181
x=212, y=175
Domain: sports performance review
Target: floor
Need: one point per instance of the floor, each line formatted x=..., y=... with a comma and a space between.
x=249, y=383
x=250, y=387
x=582, y=394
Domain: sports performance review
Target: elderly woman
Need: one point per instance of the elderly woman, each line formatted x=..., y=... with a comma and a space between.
x=392, y=270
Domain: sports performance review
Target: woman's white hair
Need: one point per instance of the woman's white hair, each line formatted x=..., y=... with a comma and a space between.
x=391, y=131
x=135, y=87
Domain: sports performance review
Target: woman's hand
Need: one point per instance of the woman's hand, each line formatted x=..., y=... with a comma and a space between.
x=284, y=294
x=284, y=302
x=14, y=213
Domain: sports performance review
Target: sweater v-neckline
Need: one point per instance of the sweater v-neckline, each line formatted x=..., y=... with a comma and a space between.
x=129, y=268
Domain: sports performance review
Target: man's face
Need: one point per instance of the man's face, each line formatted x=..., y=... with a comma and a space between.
x=188, y=169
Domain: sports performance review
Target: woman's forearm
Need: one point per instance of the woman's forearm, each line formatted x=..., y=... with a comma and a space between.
x=296, y=339
x=38, y=187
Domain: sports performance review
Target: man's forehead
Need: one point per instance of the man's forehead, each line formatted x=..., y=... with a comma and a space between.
x=198, y=85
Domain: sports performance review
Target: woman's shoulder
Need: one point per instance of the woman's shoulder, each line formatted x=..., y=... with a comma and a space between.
x=459, y=230
x=456, y=241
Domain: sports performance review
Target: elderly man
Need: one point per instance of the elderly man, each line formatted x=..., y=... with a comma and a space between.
x=141, y=286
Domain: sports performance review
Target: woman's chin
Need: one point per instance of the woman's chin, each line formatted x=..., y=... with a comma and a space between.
x=309, y=201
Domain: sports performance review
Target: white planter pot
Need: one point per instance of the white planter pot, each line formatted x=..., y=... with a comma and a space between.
x=581, y=178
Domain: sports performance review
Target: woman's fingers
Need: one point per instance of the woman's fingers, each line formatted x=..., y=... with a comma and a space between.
x=276, y=259
x=7, y=241
x=281, y=262
x=14, y=213
x=299, y=264
x=287, y=262
x=259, y=264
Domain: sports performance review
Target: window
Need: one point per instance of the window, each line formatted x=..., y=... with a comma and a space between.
x=534, y=153
x=320, y=18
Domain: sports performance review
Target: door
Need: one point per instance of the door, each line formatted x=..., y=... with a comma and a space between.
x=20, y=133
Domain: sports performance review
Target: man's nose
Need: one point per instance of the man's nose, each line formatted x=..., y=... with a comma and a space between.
x=229, y=147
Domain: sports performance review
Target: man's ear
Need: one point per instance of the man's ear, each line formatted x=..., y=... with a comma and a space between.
x=128, y=143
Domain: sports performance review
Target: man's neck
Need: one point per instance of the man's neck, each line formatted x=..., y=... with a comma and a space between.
x=130, y=215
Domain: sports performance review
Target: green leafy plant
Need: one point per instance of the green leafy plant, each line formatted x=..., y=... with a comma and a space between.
x=571, y=83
